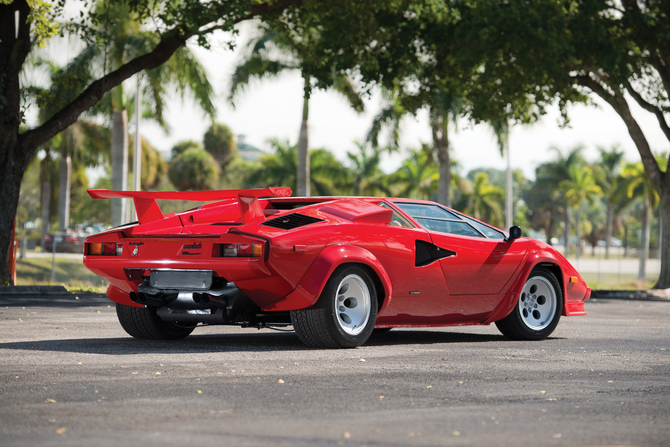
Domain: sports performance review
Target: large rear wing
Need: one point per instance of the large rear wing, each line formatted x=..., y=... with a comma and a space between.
x=149, y=211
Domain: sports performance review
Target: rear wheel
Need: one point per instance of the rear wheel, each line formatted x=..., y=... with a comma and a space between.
x=539, y=308
x=143, y=323
x=345, y=314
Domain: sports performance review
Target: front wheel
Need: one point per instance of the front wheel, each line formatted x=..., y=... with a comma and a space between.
x=345, y=314
x=145, y=324
x=539, y=308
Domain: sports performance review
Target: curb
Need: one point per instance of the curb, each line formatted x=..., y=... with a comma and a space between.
x=652, y=294
x=33, y=290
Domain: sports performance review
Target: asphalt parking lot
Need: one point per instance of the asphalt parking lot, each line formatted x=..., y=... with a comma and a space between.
x=69, y=375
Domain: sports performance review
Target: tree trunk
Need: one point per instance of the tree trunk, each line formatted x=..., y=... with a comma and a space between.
x=644, y=240
x=568, y=219
x=660, y=180
x=608, y=229
x=16, y=150
x=441, y=145
x=119, y=165
x=579, y=231
x=660, y=231
x=509, y=198
x=625, y=240
x=303, y=176
x=664, y=212
x=45, y=196
x=64, y=181
x=549, y=229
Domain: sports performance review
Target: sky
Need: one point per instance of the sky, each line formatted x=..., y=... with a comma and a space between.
x=272, y=108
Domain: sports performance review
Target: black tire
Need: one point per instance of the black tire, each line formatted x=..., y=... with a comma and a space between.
x=145, y=324
x=538, y=310
x=333, y=321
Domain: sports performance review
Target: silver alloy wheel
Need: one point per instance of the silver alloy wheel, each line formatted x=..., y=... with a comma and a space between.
x=538, y=303
x=353, y=304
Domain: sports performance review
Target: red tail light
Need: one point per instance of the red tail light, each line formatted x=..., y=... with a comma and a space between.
x=238, y=250
x=105, y=249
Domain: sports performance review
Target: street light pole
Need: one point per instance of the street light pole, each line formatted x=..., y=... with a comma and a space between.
x=137, y=152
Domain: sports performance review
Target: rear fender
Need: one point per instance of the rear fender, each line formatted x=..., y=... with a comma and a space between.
x=312, y=283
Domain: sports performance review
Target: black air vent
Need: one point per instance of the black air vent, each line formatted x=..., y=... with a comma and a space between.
x=290, y=221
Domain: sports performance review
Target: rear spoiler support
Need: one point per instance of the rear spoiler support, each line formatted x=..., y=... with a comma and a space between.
x=149, y=211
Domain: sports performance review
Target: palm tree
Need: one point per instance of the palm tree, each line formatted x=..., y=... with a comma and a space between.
x=367, y=177
x=126, y=40
x=417, y=176
x=274, y=51
x=483, y=201
x=580, y=187
x=501, y=131
x=559, y=170
x=444, y=108
x=607, y=174
x=636, y=184
x=84, y=136
x=328, y=174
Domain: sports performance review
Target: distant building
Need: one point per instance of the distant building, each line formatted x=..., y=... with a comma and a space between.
x=247, y=151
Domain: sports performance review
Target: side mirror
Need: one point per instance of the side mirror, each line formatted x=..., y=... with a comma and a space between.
x=514, y=233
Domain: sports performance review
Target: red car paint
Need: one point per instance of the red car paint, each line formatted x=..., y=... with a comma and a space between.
x=479, y=284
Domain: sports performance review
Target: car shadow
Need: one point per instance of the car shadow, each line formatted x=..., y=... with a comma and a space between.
x=250, y=342
x=69, y=300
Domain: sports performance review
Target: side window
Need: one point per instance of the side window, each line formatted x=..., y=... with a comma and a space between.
x=448, y=226
x=490, y=233
x=435, y=218
x=421, y=210
x=397, y=219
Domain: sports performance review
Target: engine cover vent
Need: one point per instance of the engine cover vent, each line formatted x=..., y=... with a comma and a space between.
x=291, y=221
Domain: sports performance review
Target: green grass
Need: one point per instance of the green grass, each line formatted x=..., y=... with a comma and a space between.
x=70, y=273
x=616, y=281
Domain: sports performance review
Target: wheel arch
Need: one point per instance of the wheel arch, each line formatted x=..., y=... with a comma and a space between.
x=312, y=283
x=534, y=261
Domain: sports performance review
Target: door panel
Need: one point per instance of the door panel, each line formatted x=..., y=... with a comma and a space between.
x=481, y=266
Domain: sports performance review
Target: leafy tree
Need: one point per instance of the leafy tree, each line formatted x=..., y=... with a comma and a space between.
x=606, y=173
x=126, y=40
x=578, y=188
x=561, y=170
x=154, y=167
x=417, y=176
x=483, y=202
x=546, y=204
x=182, y=146
x=194, y=169
x=172, y=25
x=279, y=168
x=550, y=49
x=444, y=107
x=501, y=131
x=277, y=48
x=366, y=176
x=636, y=183
x=519, y=187
x=219, y=142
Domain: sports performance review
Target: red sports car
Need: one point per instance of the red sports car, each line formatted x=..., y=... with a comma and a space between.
x=335, y=268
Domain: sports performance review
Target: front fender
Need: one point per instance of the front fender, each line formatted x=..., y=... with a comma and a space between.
x=573, y=294
x=312, y=283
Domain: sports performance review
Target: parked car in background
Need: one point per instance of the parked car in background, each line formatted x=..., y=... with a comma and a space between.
x=70, y=241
